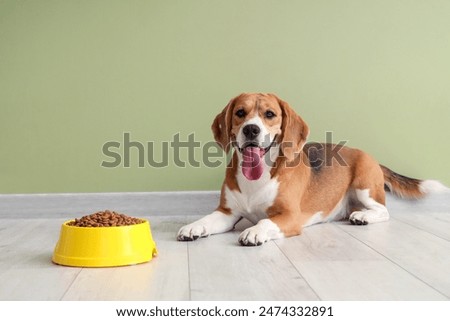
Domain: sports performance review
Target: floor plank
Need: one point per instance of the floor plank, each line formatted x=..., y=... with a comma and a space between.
x=437, y=223
x=221, y=269
x=26, y=270
x=339, y=267
x=431, y=214
x=424, y=255
x=164, y=278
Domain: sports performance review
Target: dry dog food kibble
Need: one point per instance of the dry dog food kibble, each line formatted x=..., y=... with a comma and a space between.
x=105, y=219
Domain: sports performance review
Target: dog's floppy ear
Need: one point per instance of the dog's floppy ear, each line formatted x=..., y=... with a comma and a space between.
x=294, y=131
x=221, y=127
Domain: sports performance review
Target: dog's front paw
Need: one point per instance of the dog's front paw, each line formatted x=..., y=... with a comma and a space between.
x=192, y=232
x=253, y=236
x=216, y=222
x=261, y=233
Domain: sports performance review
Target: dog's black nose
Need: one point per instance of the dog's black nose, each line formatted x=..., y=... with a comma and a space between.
x=251, y=131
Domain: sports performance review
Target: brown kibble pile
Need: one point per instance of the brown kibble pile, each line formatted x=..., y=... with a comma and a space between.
x=105, y=219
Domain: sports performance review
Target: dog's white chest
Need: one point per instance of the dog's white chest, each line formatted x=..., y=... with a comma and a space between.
x=254, y=198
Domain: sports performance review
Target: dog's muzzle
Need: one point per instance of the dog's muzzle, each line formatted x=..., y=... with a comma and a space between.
x=253, y=158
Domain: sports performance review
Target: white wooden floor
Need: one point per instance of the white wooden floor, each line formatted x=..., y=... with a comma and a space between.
x=407, y=258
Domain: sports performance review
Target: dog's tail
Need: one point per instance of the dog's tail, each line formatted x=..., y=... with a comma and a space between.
x=406, y=187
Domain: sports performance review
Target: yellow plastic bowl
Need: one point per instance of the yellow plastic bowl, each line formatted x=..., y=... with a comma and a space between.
x=104, y=246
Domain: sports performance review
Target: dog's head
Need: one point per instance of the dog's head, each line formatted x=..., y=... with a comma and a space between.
x=254, y=123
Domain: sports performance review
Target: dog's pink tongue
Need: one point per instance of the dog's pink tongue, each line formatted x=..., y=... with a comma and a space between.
x=252, y=163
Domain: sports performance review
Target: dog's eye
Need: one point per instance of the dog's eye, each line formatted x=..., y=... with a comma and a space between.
x=270, y=114
x=240, y=113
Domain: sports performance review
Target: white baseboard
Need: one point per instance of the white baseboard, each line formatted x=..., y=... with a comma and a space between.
x=156, y=203
x=133, y=204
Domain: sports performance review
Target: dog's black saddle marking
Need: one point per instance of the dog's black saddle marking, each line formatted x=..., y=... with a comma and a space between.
x=316, y=156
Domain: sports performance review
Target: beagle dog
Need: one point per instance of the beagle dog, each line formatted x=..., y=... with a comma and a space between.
x=282, y=184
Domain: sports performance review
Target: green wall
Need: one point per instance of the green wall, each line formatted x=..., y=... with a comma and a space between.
x=77, y=74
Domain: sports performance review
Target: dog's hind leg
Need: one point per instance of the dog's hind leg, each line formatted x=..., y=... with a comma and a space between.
x=368, y=187
x=371, y=211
